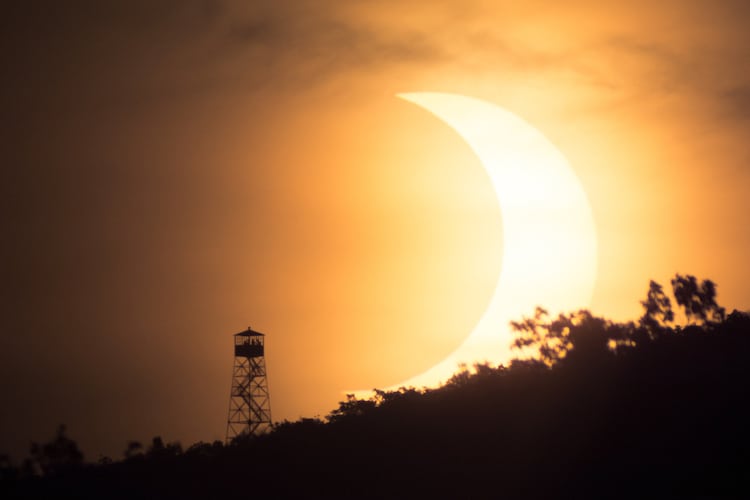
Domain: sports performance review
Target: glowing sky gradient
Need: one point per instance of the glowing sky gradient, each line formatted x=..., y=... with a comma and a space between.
x=176, y=171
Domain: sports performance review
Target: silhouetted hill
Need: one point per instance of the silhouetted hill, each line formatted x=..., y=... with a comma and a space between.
x=623, y=410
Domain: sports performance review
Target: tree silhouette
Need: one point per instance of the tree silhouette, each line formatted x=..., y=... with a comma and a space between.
x=697, y=300
x=657, y=314
x=7, y=471
x=350, y=408
x=58, y=455
x=134, y=449
x=158, y=450
x=579, y=334
x=548, y=337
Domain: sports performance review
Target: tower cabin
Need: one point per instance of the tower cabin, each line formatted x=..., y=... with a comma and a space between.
x=249, y=344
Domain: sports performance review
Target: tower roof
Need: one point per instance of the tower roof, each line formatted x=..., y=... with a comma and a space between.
x=250, y=333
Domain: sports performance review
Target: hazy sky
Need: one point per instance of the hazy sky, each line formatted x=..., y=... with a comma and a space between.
x=175, y=171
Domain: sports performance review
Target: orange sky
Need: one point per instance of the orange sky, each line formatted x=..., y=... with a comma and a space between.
x=173, y=174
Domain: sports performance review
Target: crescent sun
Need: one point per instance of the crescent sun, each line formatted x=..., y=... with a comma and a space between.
x=549, y=238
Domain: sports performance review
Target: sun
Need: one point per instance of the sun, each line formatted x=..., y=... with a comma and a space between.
x=549, y=237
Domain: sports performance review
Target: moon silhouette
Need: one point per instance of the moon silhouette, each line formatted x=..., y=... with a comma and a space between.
x=549, y=239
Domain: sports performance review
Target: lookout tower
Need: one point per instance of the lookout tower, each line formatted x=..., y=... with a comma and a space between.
x=249, y=403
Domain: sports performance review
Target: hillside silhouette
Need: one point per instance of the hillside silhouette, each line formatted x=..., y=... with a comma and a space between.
x=601, y=409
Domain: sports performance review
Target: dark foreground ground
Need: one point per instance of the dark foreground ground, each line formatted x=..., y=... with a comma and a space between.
x=666, y=416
